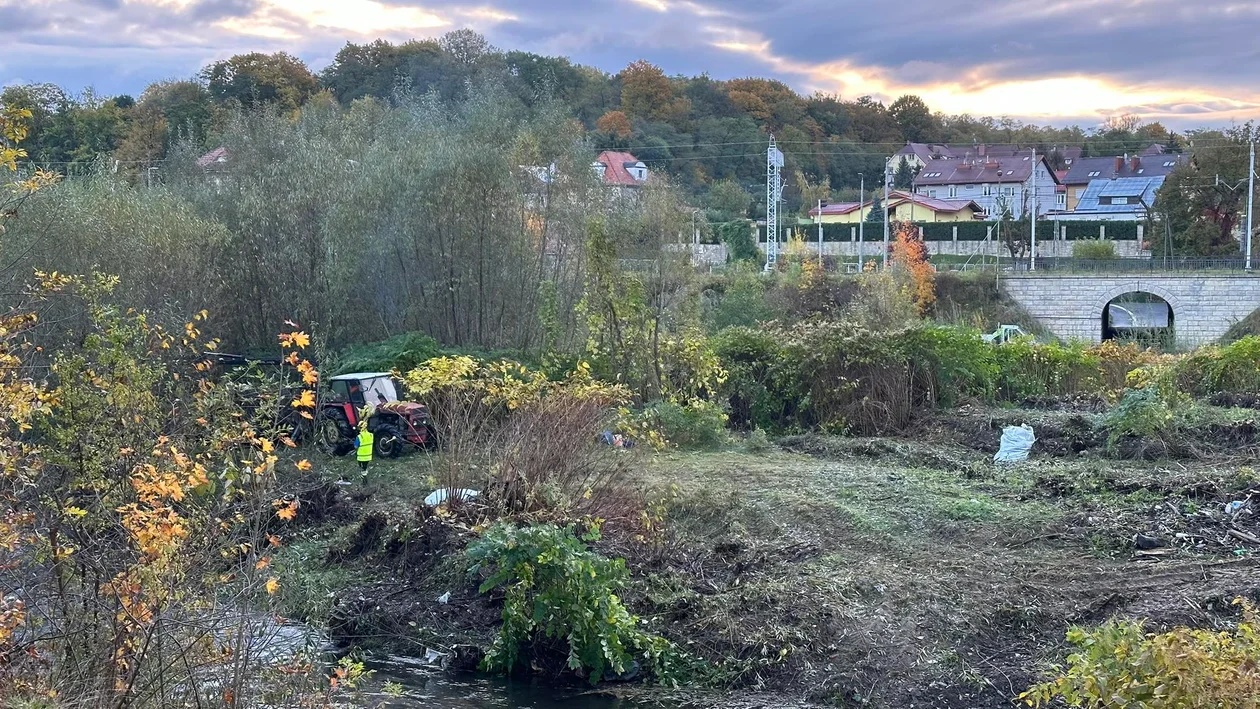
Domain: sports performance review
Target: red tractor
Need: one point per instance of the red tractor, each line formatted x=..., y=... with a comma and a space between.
x=394, y=423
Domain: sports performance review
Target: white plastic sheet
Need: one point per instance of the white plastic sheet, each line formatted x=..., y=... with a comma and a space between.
x=441, y=495
x=1017, y=442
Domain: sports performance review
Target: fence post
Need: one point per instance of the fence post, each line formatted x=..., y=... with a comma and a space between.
x=1102, y=231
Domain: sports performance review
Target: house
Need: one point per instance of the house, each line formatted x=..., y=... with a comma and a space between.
x=902, y=206
x=918, y=154
x=996, y=183
x=621, y=172
x=1126, y=199
x=1086, y=170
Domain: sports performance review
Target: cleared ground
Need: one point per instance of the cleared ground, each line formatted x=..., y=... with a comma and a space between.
x=896, y=573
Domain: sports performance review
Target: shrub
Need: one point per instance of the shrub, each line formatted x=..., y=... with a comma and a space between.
x=399, y=353
x=697, y=424
x=556, y=589
x=1143, y=413
x=751, y=358
x=1120, y=665
x=1096, y=249
x=740, y=240
x=758, y=442
x=1027, y=369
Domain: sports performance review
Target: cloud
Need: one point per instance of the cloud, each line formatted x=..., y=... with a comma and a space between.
x=1047, y=60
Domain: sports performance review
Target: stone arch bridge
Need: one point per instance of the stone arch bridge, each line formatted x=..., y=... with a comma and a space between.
x=1070, y=306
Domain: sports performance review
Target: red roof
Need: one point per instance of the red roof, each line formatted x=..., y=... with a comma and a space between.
x=616, y=168
x=831, y=210
x=897, y=197
x=218, y=155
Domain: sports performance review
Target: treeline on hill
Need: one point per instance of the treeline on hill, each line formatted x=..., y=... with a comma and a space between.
x=708, y=134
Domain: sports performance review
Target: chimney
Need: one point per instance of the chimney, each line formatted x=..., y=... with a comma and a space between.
x=1135, y=163
x=1119, y=164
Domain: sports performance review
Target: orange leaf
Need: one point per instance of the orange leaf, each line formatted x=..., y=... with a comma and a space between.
x=289, y=512
x=305, y=401
x=306, y=415
x=273, y=540
x=303, y=464
x=262, y=563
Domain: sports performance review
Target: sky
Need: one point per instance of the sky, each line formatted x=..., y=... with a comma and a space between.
x=1187, y=63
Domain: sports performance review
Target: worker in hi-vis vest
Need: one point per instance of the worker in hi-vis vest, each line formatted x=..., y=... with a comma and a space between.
x=363, y=444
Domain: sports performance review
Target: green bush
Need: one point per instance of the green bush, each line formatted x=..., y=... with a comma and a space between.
x=740, y=240
x=556, y=588
x=1094, y=249
x=402, y=352
x=752, y=359
x=1214, y=370
x=698, y=424
x=758, y=442
x=1027, y=369
x=1142, y=413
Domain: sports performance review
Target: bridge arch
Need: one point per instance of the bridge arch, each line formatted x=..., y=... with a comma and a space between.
x=1101, y=305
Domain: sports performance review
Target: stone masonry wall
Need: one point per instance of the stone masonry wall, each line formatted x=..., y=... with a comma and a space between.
x=1071, y=307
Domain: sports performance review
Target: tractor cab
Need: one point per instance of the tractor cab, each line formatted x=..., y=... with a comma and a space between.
x=360, y=390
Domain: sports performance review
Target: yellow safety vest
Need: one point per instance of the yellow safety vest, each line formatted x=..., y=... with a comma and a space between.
x=364, y=442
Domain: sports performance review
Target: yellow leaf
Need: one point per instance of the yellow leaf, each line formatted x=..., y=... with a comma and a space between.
x=75, y=511
x=303, y=464
x=267, y=446
x=273, y=585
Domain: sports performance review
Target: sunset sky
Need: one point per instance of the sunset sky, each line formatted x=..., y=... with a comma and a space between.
x=1187, y=63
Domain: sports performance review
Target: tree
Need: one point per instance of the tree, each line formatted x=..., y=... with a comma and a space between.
x=911, y=254
x=645, y=90
x=915, y=119
x=614, y=123
x=258, y=79
x=728, y=199
x=13, y=131
x=903, y=178
x=876, y=215
x=1203, y=201
x=466, y=46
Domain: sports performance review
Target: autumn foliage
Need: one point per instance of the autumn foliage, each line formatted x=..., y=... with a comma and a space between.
x=911, y=254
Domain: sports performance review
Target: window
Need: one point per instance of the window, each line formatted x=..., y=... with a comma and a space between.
x=1170, y=163
x=931, y=193
x=1061, y=198
x=1095, y=173
x=953, y=190
x=1141, y=170
x=1119, y=200
x=987, y=189
x=1078, y=192
x=1067, y=161
x=969, y=187
x=1008, y=191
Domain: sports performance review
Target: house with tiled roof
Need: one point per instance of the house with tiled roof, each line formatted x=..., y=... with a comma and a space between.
x=997, y=183
x=902, y=206
x=1085, y=171
x=621, y=172
x=918, y=154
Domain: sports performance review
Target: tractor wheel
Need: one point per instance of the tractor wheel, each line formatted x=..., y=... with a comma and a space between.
x=389, y=442
x=330, y=436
